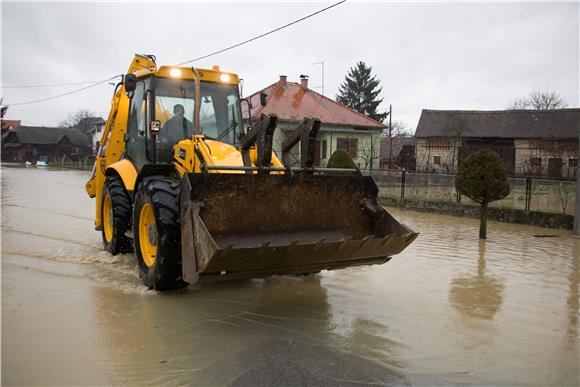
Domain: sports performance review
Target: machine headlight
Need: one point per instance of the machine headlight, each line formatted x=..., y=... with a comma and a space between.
x=225, y=77
x=175, y=73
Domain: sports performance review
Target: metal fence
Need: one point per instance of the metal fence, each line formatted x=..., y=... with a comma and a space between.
x=526, y=193
x=83, y=164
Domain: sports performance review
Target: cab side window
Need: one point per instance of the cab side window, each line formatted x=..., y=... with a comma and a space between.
x=136, y=127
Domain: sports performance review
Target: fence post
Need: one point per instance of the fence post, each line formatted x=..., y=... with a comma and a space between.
x=403, y=178
x=528, y=198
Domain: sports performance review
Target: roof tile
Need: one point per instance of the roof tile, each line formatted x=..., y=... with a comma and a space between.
x=291, y=102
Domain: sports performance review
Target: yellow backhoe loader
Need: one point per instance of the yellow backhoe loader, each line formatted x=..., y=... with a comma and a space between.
x=178, y=180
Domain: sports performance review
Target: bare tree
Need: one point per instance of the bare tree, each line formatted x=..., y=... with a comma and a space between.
x=366, y=157
x=74, y=119
x=565, y=189
x=539, y=100
x=400, y=129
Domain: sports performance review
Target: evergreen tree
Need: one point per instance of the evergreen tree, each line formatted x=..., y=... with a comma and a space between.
x=482, y=178
x=360, y=91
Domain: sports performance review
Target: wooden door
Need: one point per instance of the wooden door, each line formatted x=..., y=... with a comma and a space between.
x=555, y=167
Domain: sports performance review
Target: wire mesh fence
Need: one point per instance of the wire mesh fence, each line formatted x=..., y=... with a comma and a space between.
x=82, y=164
x=526, y=193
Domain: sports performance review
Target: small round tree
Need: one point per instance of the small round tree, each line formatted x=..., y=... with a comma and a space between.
x=482, y=178
x=340, y=159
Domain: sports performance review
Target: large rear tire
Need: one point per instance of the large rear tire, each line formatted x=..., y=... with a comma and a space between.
x=157, y=234
x=116, y=217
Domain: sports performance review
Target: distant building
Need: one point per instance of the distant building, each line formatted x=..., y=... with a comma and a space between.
x=529, y=142
x=92, y=127
x=401, y=153
x=28, y=143
x=341, y=126
x=9, y=124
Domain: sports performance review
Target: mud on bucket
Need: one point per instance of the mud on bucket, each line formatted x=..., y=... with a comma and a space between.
x=252, y=225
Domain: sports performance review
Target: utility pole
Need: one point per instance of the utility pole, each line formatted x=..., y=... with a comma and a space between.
x=321, y=63
x=3, y=108
x=577, y=214
x=390, y=135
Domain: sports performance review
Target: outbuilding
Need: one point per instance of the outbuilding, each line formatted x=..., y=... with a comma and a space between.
x=29, y=143
x=530, y=142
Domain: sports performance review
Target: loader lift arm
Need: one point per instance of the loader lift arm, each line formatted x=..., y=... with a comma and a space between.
x=261, y=134
x=305, y=134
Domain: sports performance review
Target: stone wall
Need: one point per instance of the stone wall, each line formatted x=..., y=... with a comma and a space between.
x=508, y=215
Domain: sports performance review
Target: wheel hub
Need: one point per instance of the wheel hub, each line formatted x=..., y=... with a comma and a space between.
x=111, y=217
x=151, y=234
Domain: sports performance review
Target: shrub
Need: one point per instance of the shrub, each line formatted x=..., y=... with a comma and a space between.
x=340, y=159
x=482, y=178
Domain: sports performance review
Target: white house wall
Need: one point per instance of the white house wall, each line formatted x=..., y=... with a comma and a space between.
x=368, y=143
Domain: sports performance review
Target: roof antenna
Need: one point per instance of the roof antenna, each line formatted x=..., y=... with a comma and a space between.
x=321, y=63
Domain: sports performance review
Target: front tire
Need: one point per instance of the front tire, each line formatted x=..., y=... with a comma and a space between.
x=116, y=217
x=157, y=234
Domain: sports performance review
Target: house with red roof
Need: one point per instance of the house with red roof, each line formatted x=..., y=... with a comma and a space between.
x=341, y=126
x=9, y=124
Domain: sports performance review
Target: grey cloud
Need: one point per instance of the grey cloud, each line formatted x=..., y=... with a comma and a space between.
x=428, y=55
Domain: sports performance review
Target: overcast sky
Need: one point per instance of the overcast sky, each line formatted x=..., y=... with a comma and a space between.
x=457, y=55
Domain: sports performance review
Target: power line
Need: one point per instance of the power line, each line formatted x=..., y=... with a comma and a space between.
x=186, y=62
x=60, y=112
x=48, y=85
x=262, y=35
x=64, y=94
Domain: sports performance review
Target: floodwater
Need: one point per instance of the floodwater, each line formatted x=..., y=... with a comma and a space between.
x=449, y=310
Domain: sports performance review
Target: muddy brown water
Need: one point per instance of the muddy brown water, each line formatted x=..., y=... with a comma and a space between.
x=448, y=310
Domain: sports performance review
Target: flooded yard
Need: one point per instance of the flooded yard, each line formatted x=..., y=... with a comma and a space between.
x=449, y=310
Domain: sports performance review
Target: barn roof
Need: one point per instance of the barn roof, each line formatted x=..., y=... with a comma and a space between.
x=560, y=123
x=41, y=135
x=88, y=123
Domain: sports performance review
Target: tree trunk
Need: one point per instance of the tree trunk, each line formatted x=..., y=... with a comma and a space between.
x=483, y=221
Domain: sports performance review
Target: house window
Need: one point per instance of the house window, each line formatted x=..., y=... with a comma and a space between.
x=536, y=161
x=350, y=145
x=436, y=160
x=324, y=149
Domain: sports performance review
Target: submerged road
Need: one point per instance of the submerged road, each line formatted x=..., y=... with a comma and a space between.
x=449, y=310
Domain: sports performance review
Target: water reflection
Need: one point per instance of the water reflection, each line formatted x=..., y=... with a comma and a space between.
x=431, y=312
x=242, y=332
x=478, y=295
x=573, y=295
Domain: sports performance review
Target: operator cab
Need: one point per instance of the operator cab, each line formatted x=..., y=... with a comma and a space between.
x=169, y=103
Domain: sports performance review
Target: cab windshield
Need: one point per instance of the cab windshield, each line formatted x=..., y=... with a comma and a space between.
x=220, y=117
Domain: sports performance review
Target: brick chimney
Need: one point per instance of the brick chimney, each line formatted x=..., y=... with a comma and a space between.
x=304, y=81
x=282, y=80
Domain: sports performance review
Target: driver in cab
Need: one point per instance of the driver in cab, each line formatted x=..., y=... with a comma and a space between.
x=177, y=127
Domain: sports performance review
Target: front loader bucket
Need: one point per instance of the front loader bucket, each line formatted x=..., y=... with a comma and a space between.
x=255, y=225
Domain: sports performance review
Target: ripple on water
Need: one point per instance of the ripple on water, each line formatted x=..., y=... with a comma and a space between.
x=501, y=311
